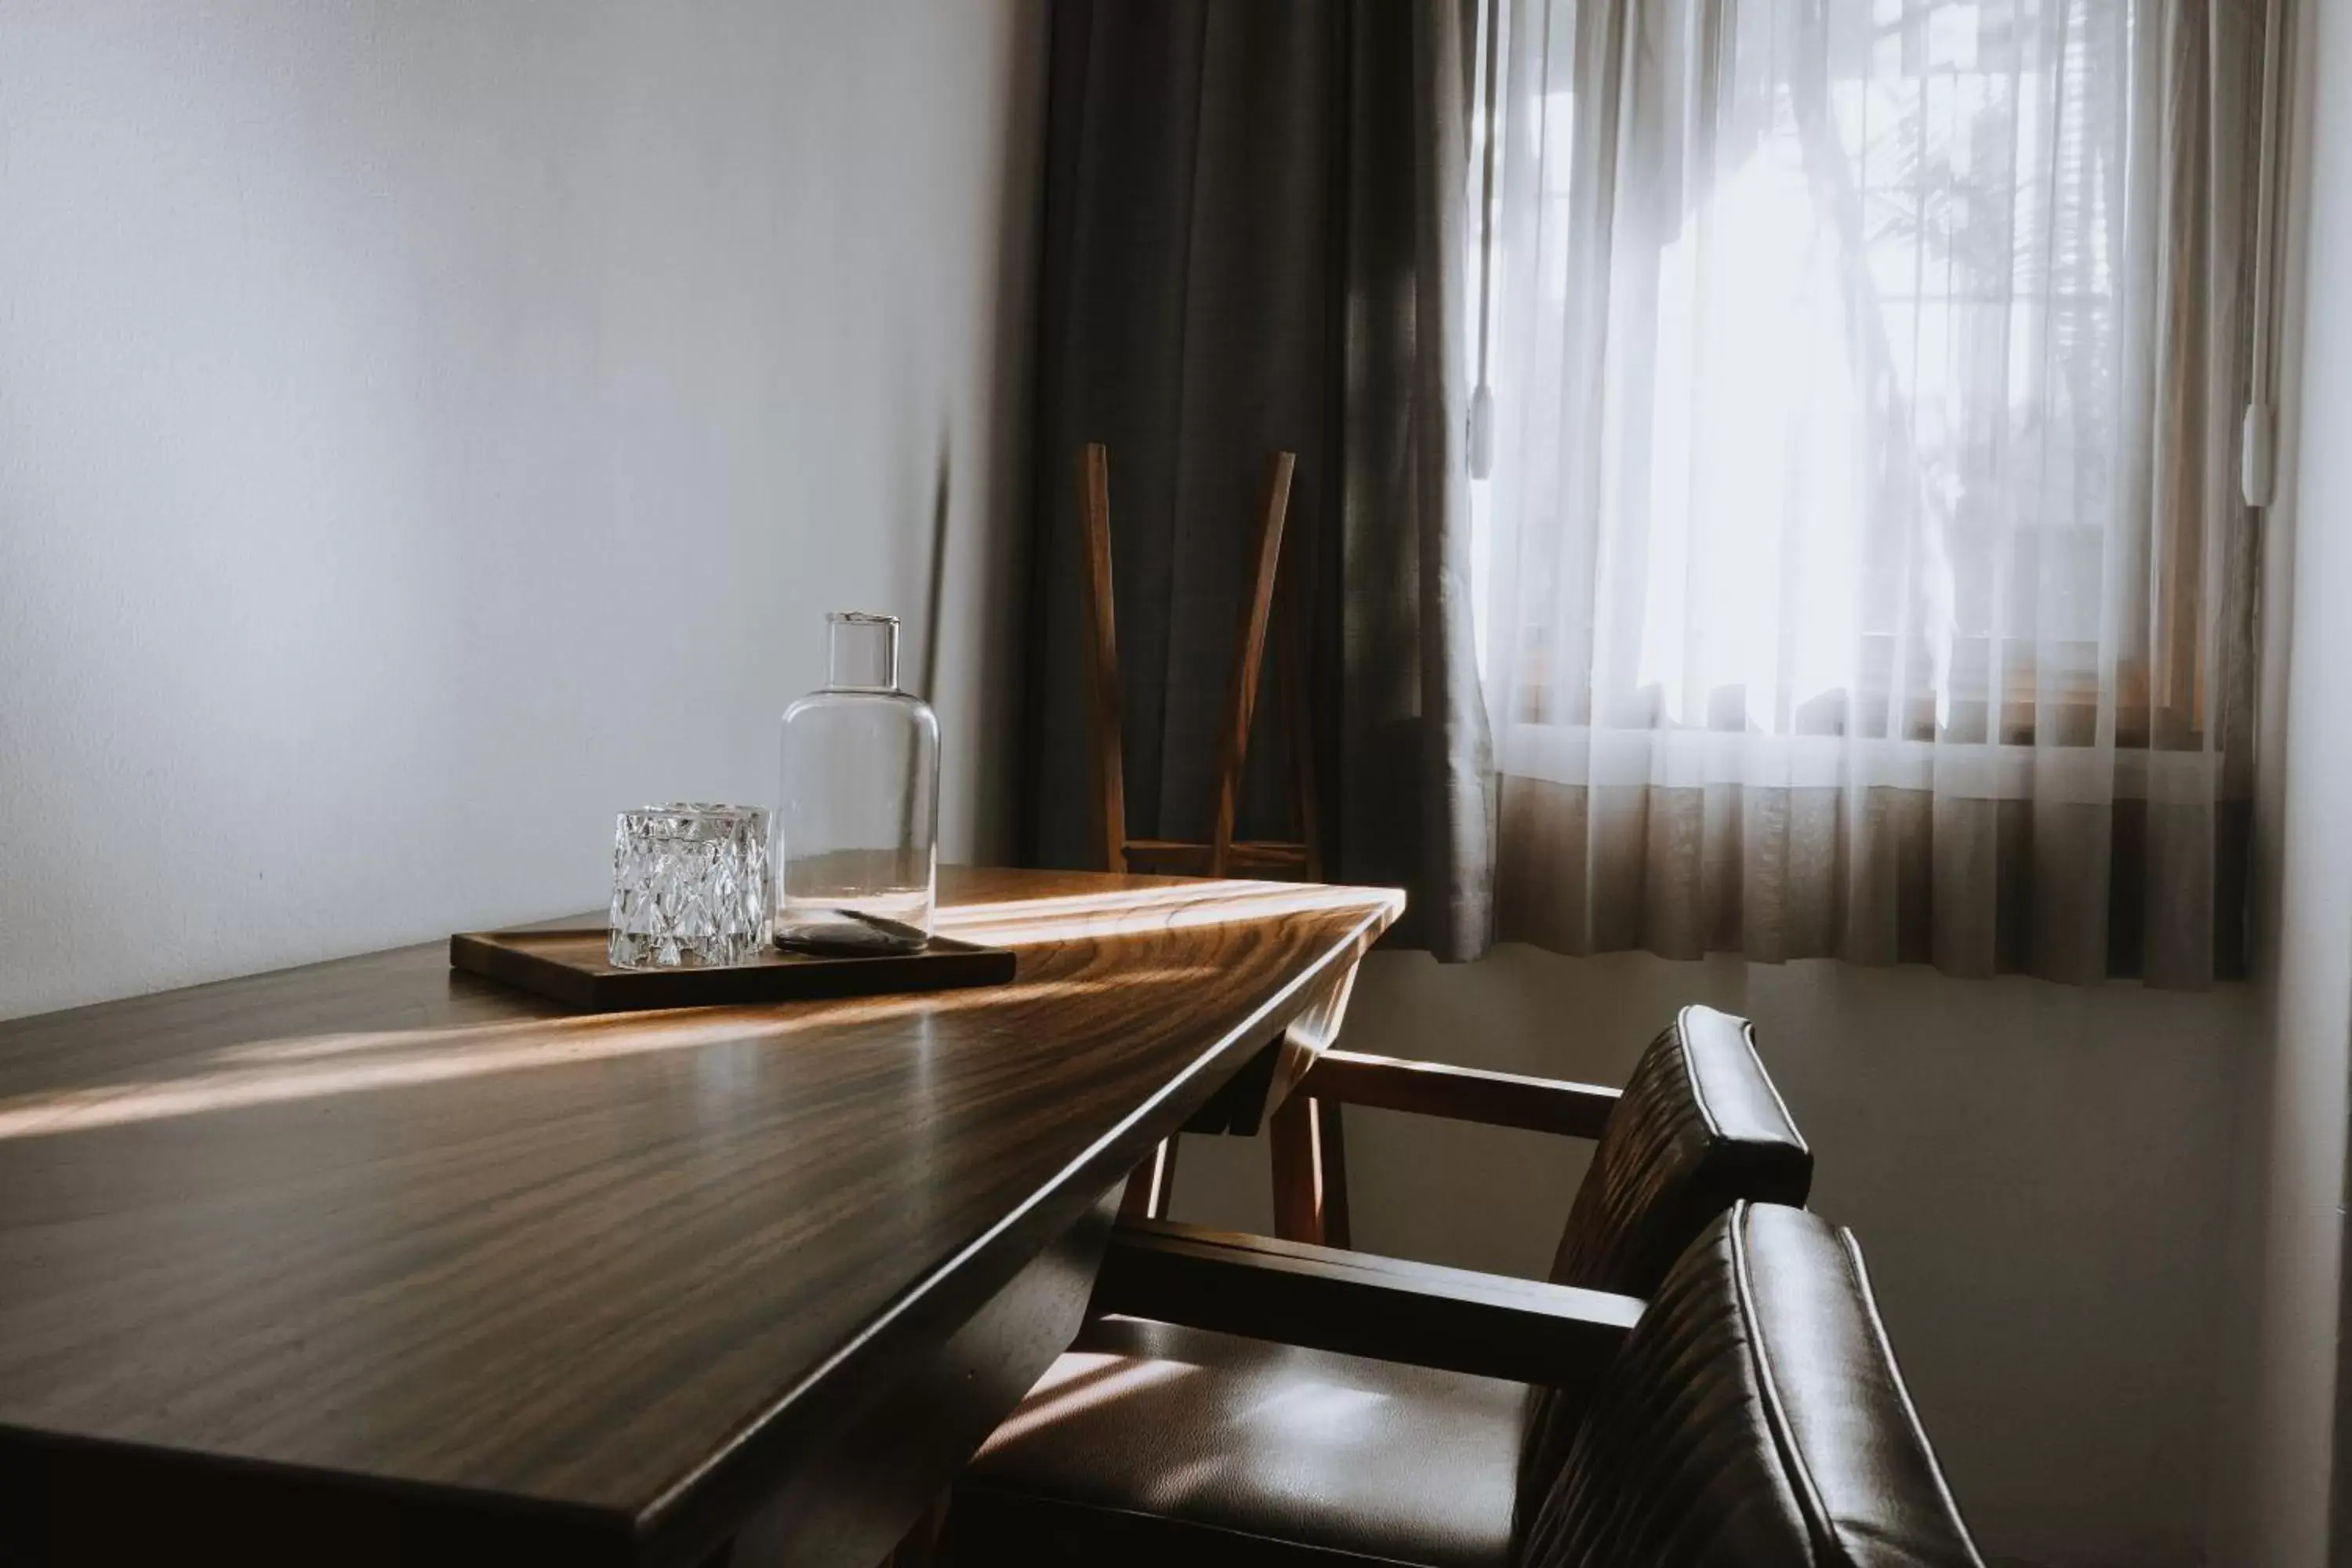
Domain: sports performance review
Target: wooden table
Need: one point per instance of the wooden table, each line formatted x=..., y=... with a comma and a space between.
x=373, y=1261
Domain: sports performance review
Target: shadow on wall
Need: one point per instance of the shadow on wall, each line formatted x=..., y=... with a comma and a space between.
x=2039, y=1174
x=927, y=668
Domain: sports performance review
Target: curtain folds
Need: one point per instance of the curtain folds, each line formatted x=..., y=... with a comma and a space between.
x=1865, y=569
x=1254, y=222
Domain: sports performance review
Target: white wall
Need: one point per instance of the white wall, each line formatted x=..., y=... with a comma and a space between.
x=2038, y=1174
x=2278, y=1418
x=425, y=429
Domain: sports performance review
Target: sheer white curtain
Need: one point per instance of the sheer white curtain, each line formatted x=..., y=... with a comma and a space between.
x=1866, y=571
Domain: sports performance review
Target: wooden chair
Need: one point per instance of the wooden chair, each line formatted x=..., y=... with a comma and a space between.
x=1202, y=1345
x=1271, y=598
x=1273, y=605
x=1750, y=1413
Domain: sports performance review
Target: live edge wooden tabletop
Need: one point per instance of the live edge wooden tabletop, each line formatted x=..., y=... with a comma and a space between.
x=372, y=1260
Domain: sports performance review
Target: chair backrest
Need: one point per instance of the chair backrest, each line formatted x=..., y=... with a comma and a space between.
x=1755, y=1416
x=1105, y=766
x=1699, y=1127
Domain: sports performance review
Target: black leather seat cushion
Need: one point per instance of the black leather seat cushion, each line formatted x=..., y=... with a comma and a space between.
x=1148, y=1442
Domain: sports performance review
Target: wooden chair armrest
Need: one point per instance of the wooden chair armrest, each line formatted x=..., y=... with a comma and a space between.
x=1462, y=1094
x=1357, y=1304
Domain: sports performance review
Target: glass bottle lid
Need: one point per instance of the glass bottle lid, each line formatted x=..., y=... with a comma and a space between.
x=861, y=651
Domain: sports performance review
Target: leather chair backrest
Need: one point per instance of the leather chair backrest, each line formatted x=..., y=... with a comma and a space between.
x=1699, y=1127
x=1756, y=1416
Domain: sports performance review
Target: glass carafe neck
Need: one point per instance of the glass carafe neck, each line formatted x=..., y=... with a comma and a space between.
x=861, y=651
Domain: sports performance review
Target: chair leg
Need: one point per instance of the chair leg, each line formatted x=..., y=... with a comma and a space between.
x=1249, y=655
x=1152, y=1184
x=1105, y=769
x=1331, y=1173
x=1291, y=676
x=1310, y=1171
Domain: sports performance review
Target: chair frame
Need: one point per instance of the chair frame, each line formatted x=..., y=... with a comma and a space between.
x=1309, y=1289
x=1310, y=1172
x=1385, y=1309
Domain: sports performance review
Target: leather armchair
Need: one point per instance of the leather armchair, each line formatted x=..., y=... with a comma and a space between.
x=1752, y=1418
x=1297, y=1403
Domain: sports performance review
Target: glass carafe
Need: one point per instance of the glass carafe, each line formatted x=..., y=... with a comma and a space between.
x=856, y=859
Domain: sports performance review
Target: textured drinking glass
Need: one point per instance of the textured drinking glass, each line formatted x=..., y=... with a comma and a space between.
x=858, y=808
x=689, y=887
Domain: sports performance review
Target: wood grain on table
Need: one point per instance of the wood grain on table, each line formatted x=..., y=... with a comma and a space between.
x=374, y=1241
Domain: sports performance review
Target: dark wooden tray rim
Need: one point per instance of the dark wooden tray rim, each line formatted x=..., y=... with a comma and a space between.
x=568, y=965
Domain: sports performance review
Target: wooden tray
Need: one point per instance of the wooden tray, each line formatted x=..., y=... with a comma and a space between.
x=569, y=965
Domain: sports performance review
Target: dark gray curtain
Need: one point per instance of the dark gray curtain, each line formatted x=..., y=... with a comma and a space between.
x=1254, y=218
